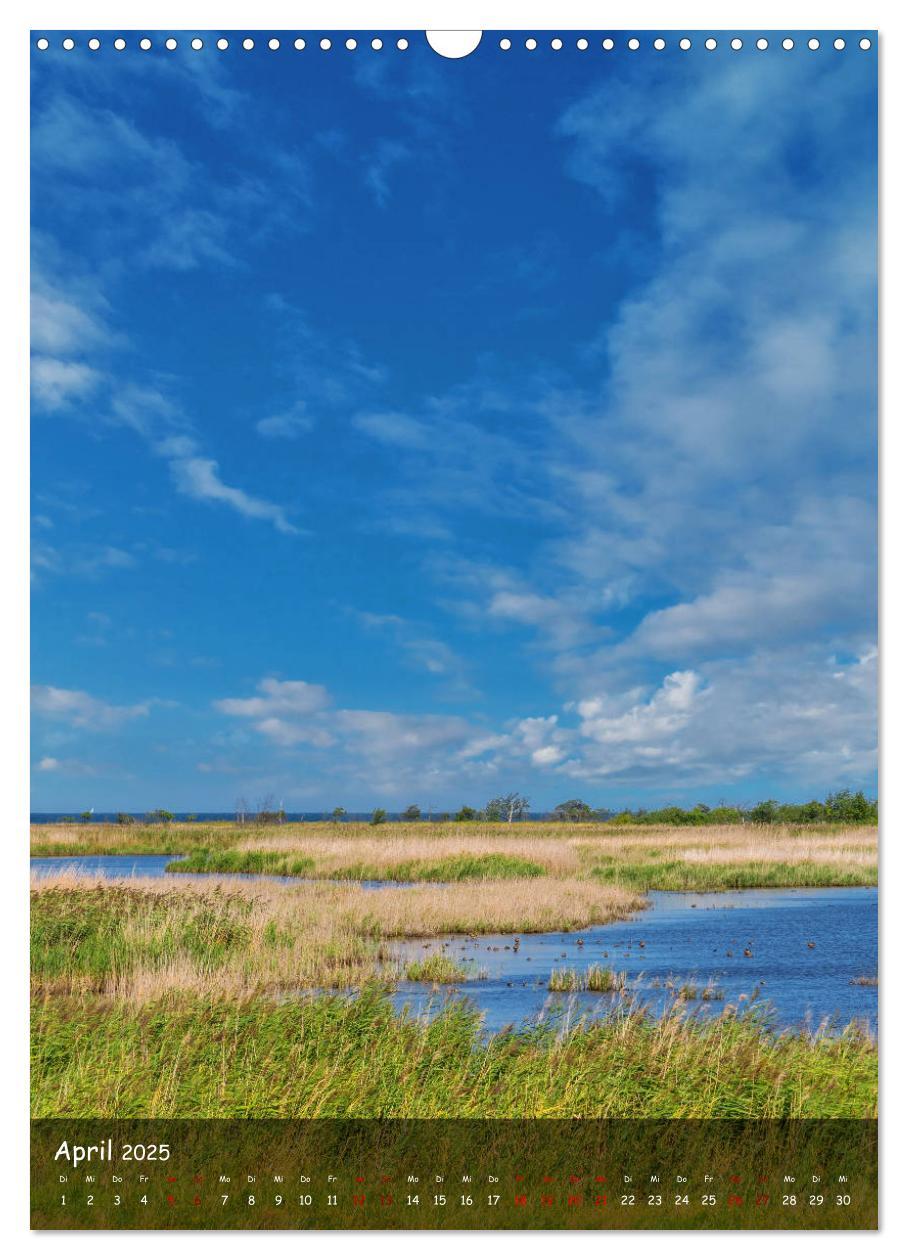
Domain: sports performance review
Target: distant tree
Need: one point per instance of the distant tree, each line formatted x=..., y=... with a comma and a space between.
x=466, y=813
x=573, y=811
x=87, y=815
x=192, y=817
x=125, y=819
x=379, y=816
x=411, y=814
x=266, y=814
x=338, y=814
x=764, y=812
x=507, y=808
x=443, y=817
x=725, y=814
x=160, y=816
x=850, y=807
x=241, y=809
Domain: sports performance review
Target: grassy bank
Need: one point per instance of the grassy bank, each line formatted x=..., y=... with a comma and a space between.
x=678, y=875
x=335, y=1057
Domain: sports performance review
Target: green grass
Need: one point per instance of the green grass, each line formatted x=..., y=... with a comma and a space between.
x=436, y=969
x=450, y=870
x=443, y=871
x=594, y=980
x=82, y=941
x=246, y=862
x=135, y=839
x=677, y=875
x=339, y=1057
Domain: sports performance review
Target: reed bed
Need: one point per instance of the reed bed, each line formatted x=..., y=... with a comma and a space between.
x=595, y=979
x=331, y=1057
x=138, y=939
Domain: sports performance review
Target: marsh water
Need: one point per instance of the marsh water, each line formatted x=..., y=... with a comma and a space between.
x=796, y=952
x=154, y=866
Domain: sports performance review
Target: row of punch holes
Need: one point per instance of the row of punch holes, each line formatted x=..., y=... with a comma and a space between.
x=531, y=43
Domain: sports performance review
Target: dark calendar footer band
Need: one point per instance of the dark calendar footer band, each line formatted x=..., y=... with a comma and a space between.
x=470, y=1174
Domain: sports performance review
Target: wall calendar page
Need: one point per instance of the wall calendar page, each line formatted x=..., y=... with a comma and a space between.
x=454, y=731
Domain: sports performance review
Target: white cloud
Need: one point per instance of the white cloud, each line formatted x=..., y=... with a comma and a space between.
x=79, y=709
x=385, y=154
x=420, y=650
x=287, y=424
x=78, y=560
x=789, y=714
x=395, y=428
x=199, y=478
x=667, y=712
x=58, y=382
x=60, y=325
x=278, y=698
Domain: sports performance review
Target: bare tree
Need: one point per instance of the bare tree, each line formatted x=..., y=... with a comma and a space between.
x=507, y=808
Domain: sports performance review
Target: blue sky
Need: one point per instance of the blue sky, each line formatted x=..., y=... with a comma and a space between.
x=417, y=430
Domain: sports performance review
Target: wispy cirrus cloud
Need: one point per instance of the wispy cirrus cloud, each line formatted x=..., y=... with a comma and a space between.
x=198, y=477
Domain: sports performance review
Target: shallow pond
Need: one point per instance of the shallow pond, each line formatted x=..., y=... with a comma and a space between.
x=804, y=947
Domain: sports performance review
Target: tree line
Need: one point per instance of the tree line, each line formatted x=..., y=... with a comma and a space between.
x=838, y=807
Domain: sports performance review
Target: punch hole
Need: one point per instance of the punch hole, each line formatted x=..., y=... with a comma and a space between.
x=505, y=44
x=453, y=44
x=119, y=43
x=377, y=44
x=557, y=45
x=248, y=44
x=865, y=44
x=659, y=44
x=685, y=44
x=145, y=44
x=170, y=44
x=42, y=44
x=223, y=44
x=712, y=44
x=69, y=44
x=403, y=44
x=633, y=44
x=583, y=44
x=531, y=44
x=324, y=44
x=350, y=44
x=299, y=44
x=197, y=44
x=608, y=44
x=94, y=43
x=813, y=44
x=737, y=44
x=788, y=44
x=274, y=44
x=762, y=44
x=838, y=43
